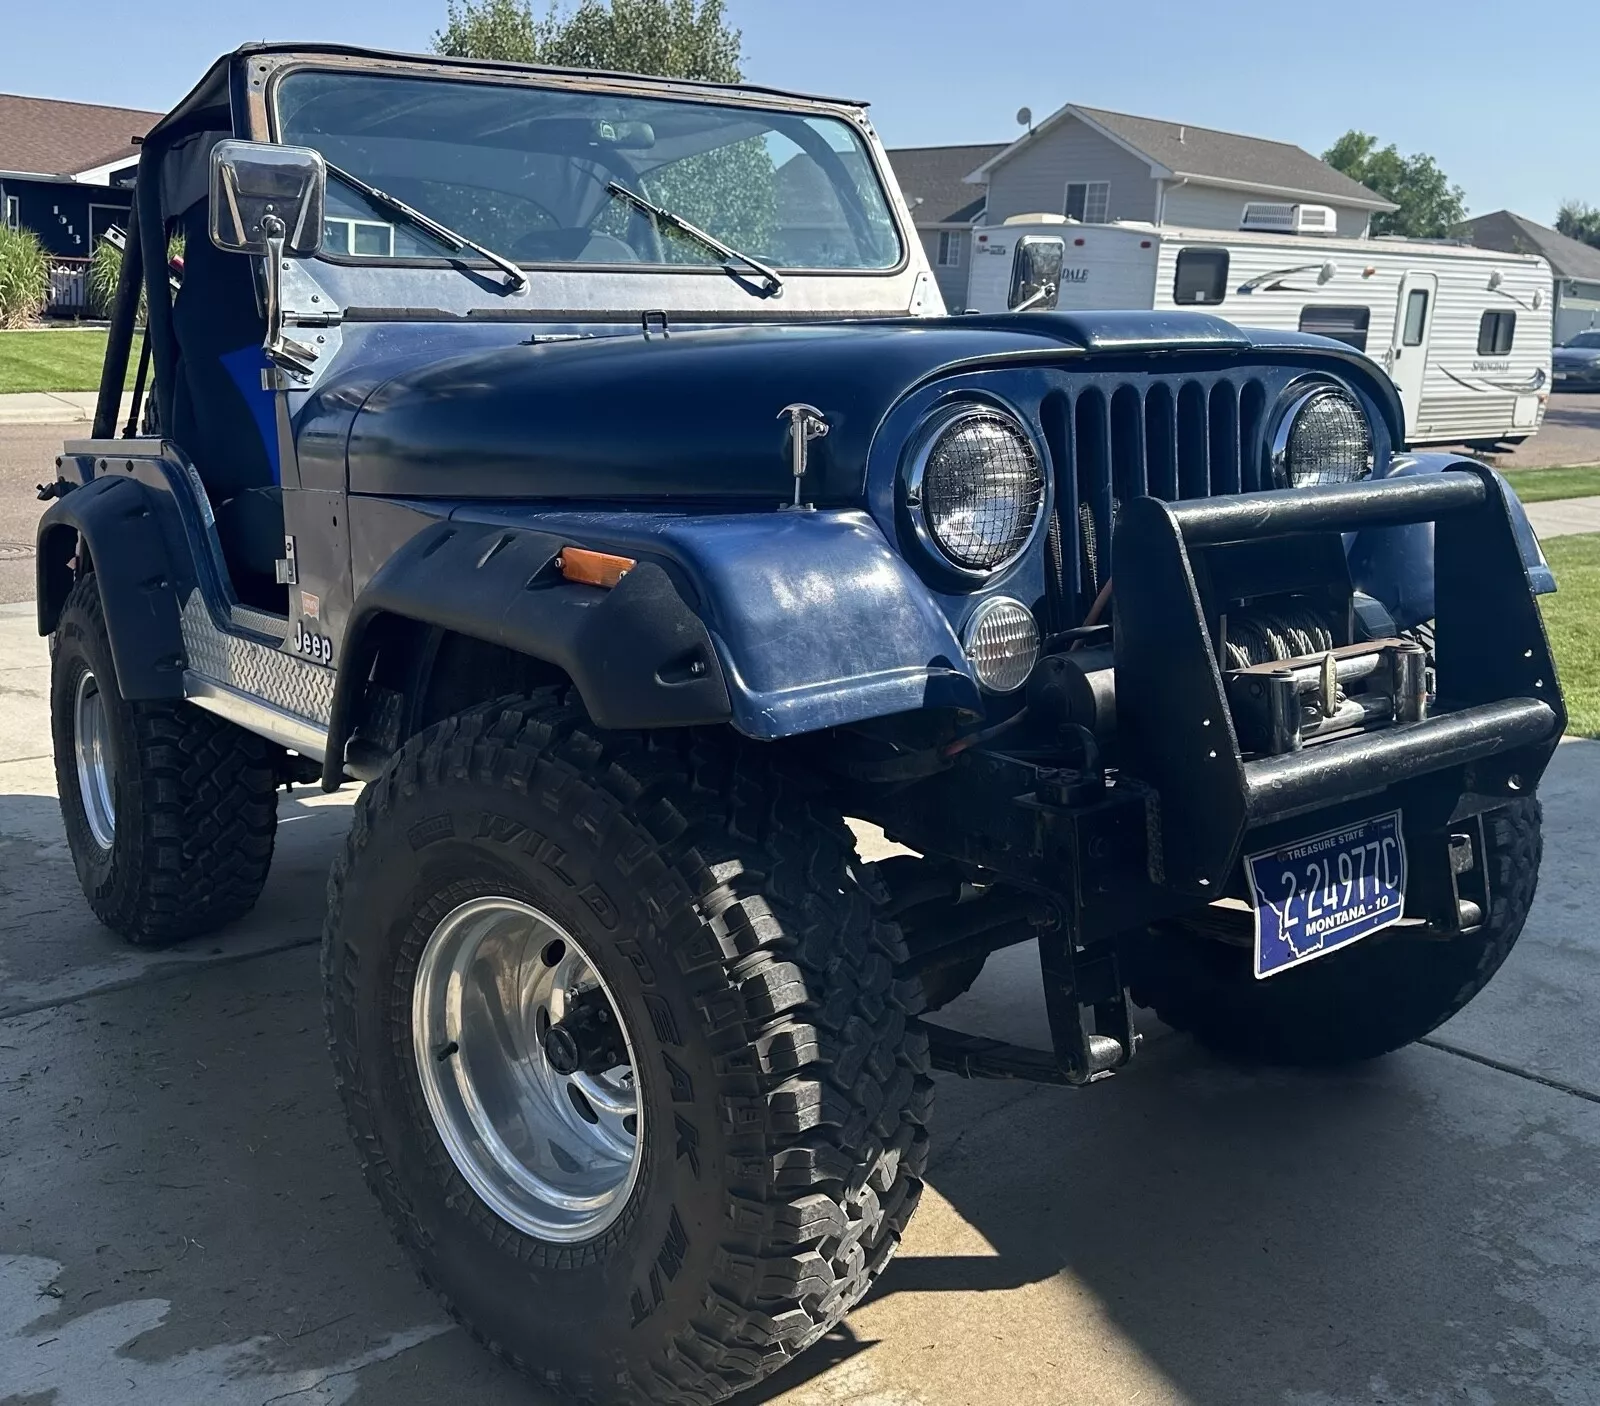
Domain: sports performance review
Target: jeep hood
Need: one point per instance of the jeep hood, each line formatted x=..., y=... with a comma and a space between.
x=695, y=413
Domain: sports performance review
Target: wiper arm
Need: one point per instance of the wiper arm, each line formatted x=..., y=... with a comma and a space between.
x=516, y=279
x=729, y=254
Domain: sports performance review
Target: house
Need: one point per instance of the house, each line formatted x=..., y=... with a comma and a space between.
x=944, y=207
x=66, y=173
x=1575, y=304
x=1098, y=166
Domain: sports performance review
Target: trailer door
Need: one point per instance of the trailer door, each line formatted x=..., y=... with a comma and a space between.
x=1408, y=353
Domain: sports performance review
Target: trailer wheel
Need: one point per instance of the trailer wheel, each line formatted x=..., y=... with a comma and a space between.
x=1378, y=995
x=170, y=812
x=622, y=1048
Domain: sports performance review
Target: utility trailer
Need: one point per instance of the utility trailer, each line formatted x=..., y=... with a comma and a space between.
x=1464, y=333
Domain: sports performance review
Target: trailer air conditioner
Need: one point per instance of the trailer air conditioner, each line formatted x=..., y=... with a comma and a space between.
x=1269, y=218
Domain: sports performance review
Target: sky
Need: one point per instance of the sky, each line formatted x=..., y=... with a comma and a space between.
x=1486, y=87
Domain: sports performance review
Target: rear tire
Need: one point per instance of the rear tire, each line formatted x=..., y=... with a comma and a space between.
x=1378, y=995
x=170, y=812
x=778, y=1081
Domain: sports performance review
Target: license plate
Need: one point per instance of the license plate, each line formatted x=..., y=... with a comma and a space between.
x=1320, y=894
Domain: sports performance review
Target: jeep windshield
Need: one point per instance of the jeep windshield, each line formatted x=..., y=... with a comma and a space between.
x=530, y=173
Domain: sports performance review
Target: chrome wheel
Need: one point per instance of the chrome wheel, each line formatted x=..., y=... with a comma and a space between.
x=91, y=741
x=528, y=1069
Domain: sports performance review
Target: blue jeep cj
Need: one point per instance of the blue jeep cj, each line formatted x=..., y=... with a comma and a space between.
x=587, y=464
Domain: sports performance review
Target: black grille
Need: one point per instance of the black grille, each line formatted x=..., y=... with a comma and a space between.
x=1116, y=439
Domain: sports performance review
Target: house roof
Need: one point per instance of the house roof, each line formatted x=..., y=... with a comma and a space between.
x=1176, y=150
x=1512, y=234
x=52, y=138
x=934, y=181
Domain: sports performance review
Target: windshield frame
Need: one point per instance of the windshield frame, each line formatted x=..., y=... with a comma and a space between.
x=658, y=89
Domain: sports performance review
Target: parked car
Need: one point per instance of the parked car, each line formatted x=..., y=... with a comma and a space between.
x=1577, y=363
x=586, y=464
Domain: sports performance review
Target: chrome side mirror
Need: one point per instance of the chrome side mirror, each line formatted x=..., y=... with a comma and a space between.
x=1036, y=272
x=268, y=200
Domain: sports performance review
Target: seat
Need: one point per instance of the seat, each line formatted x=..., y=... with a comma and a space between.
x=222, y=417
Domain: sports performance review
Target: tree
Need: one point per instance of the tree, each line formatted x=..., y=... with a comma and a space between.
x=729, y=190
x=672, y=38
x=1577, y=219
x=1430, y=207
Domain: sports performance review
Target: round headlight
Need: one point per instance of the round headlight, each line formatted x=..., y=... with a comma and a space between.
x=1002, y=641
x=1324, y=437
x=979, y=488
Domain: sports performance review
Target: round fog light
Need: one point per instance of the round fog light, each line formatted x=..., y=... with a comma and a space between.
x=1002, y=641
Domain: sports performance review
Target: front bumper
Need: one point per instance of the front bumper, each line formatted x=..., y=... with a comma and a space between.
x=1166, y=830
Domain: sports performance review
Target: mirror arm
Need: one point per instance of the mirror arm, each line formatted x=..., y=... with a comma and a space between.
x=1043, y=291
x=284, y=352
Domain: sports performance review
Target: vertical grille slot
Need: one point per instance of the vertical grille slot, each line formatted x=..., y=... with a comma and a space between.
x=1252, y=419
x=1064, y=552
x=1224, y=438
x=1161, y=441
x=1194, y=466
x=1127, y=445
x=1092, y=442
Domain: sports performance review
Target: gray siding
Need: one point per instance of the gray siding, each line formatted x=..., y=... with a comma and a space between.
x=1215, y=207
x=952, y=281
x=1034, y=179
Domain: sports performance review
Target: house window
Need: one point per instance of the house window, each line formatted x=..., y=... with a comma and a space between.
x=1202, y=277
x=1088, y=201
x=13, y=212
x=1416, y=320
x=1348, y=325
x=1495, y=332
x=949, y=248
x=369, y=238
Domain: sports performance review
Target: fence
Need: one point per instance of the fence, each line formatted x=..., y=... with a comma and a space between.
x=69, y=289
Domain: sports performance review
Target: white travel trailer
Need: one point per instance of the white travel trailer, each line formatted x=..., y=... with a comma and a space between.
x=1463, y=332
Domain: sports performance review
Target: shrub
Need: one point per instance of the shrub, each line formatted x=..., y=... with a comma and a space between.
x=105, y=270
x=24, y=277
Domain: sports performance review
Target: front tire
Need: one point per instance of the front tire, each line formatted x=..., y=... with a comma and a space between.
x=170, y=812
x=1376, y=996
x=768, y=1064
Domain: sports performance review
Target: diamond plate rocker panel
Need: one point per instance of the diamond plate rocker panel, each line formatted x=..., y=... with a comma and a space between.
x=293, y=685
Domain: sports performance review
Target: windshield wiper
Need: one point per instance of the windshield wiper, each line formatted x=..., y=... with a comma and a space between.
x=517, y=280
x=729, y=254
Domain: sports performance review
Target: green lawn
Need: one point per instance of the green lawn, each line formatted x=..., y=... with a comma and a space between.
x=1572, y=617
x=62, y=359
x=1541, y=485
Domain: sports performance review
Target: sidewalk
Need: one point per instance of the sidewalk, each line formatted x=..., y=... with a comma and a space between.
x=1565, y=517
x=53, y=408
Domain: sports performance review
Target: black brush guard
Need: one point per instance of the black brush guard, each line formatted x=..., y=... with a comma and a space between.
x=1499, y=705
x=1186, y=802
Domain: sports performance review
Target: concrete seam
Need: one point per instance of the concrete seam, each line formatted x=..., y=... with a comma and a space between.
x=155, y=975
x=1560, y=1086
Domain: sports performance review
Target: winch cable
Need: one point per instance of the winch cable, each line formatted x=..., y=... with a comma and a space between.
x=1259, y=636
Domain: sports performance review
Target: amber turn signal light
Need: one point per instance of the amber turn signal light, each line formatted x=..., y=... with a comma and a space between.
x=594, y=568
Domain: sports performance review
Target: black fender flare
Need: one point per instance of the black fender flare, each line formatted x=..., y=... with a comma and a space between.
x=638, y=655
x=116, y=517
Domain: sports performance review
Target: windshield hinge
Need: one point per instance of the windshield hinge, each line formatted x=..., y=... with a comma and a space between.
x=658, y=317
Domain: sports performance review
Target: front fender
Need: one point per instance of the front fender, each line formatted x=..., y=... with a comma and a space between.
x=1395, y=564
x=817, y=621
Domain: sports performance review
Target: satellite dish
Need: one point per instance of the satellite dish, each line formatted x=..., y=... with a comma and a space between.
x=1025, y=117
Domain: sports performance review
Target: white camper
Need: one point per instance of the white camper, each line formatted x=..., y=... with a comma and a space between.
x=1463, y=332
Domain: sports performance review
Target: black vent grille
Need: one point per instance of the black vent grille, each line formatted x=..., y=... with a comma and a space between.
x=1116, y=439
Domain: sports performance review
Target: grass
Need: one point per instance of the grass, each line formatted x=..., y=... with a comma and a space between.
x=1542, y=485
x=1572, y=616
x=60, y=359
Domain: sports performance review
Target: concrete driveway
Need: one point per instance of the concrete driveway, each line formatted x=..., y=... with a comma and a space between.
x=182, y=1223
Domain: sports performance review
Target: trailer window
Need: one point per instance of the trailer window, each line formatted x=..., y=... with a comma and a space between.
x=1348, y=325
x=1416, y=323
x=1495, y=332
x=1202, y=277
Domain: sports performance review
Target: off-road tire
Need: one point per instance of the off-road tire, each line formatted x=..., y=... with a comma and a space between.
x=718, y=900
x=1381, y=993
x=196, y=802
